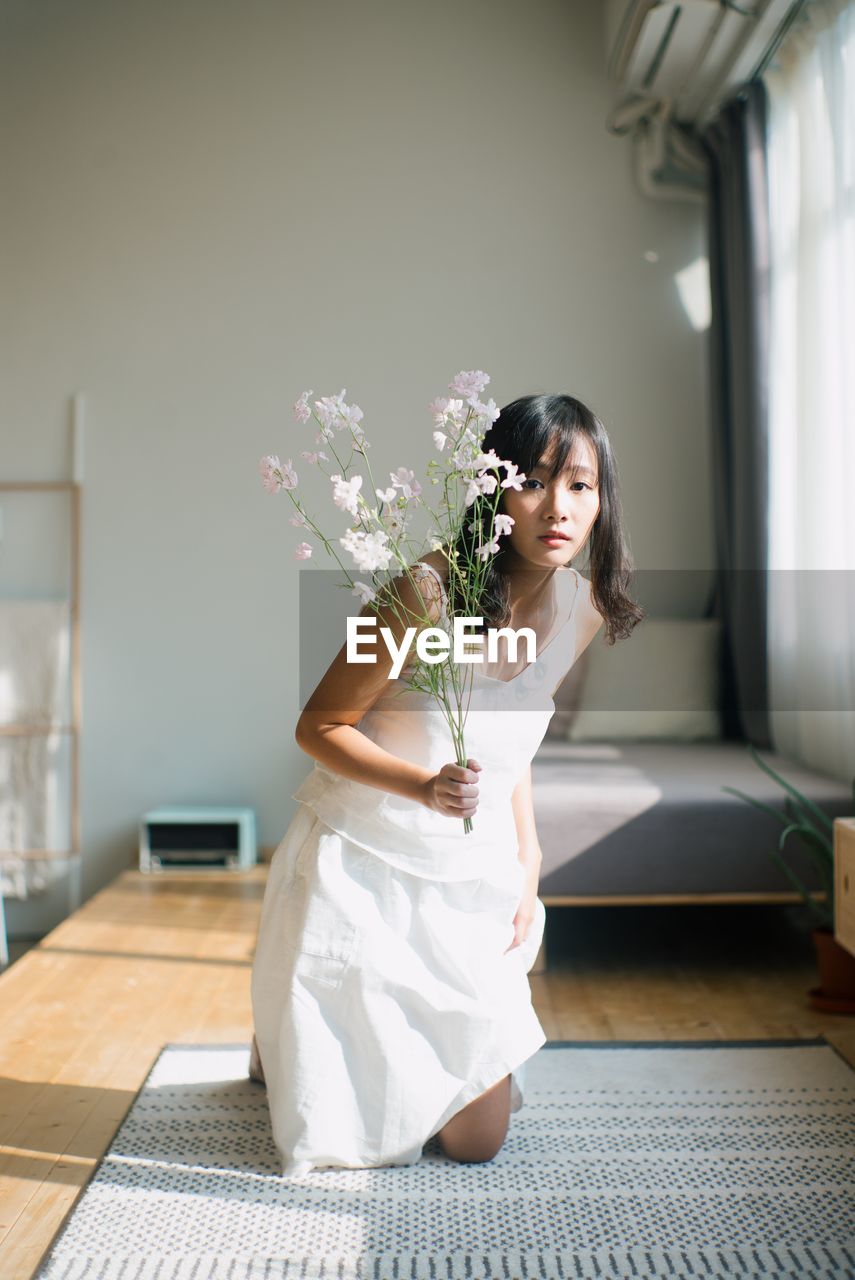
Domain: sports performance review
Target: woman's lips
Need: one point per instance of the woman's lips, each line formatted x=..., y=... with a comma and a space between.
x=553, y=539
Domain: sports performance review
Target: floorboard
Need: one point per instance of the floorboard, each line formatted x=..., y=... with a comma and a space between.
x=151, y=960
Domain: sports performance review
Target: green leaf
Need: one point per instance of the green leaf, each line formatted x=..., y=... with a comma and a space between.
x=824, y=862
x=819, y=910
x=794, y=792
x=758, y=804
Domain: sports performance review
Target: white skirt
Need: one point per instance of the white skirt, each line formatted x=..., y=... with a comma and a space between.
x=383, y=1001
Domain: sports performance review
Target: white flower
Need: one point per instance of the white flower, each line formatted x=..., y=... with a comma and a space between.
x=364, y=592
x=445, y=410
x=351, y=415
x=406, y=481
x=469, y=385
x=439, y=439
x=386, y=495
x=473, y=489
x=369, y=550
x=502, y=524
x=302, y=412
x=514, y=478
x=329, y=408
x=276, y=476
x=488, y=412
x=303, y=550
x=483, y=483
x=313, y=457
x=395, y=521
x=463, y=458
x=333, y=412
x=345, y=491
x=487, y=549
x=490, y=459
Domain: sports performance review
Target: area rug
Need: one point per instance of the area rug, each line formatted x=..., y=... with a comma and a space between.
x=714, y=1159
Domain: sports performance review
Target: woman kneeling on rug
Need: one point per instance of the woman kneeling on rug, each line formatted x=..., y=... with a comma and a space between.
x=390, y=994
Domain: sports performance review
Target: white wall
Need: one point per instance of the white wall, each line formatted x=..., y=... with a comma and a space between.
x=207, y=209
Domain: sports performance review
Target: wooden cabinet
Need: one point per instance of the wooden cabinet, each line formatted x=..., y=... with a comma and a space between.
x=844, y=882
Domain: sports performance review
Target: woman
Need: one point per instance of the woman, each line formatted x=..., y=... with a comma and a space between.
x=390, y=991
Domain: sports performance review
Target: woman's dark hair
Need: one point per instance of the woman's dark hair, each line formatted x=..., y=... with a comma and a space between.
x=526, y=431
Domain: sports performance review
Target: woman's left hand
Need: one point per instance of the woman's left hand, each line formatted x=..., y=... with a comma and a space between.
x=526, y=909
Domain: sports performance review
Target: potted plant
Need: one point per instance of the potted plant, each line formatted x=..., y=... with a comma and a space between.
x=836, y=992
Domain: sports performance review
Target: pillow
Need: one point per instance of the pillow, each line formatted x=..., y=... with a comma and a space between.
x=661, y=682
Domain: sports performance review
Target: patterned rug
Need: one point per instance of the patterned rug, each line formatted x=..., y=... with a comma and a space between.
x=714, y=1159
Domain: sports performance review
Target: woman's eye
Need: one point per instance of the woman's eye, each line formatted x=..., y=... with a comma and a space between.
x=531, y=480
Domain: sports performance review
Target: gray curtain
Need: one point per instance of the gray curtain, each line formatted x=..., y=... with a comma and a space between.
x=738, y=235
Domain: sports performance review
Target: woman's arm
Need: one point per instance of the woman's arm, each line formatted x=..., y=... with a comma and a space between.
x=529, y=847
x=326, y=728
x=529, y=855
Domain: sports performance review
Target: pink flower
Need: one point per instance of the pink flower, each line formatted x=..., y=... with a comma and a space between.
x=406, y=481
x=302, y=412
x=328, y=409
x=395, y=521
x=445, y=410
x=333, y=412
x=489, y=411
x=300, y=520
x=275, y=476
x=345, y=493
x=302, y=551
x=314, y=457
x=469, y=385
x=514, y=478
x=352, y=414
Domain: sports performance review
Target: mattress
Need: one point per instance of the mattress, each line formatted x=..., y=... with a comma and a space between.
x=652, y=818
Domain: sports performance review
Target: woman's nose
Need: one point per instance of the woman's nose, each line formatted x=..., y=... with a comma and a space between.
x=559, y=506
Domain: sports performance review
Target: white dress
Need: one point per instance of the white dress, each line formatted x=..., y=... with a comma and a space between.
x=384, y=997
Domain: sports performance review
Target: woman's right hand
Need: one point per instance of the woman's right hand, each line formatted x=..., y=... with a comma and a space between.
x=454, y=790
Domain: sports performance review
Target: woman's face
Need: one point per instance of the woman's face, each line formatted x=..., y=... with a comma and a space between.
x=570, y=504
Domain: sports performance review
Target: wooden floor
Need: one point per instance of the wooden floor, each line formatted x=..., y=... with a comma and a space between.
x=153, y=960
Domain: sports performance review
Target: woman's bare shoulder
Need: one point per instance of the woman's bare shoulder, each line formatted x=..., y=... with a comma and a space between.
x=417, y=589
x=593, y=619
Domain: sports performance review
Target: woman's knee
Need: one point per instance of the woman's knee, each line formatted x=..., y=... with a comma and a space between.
x=476, y=1133
x=472, y=1151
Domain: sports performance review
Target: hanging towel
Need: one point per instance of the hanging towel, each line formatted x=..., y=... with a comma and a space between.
x=35, y=639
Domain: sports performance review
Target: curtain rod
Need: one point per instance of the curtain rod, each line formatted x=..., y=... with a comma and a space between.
x=792, y=16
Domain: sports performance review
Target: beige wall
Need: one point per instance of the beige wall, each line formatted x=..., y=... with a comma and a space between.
x=207, y=209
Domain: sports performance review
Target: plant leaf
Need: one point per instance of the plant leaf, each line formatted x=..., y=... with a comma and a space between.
x=822, y=912
x=794, y=792
x=820, y=855
x=759, y=804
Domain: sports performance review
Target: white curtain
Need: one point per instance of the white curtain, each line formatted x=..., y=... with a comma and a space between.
x=811, y=610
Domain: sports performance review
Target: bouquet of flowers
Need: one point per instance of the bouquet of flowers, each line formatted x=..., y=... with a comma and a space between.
x=377, y=539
